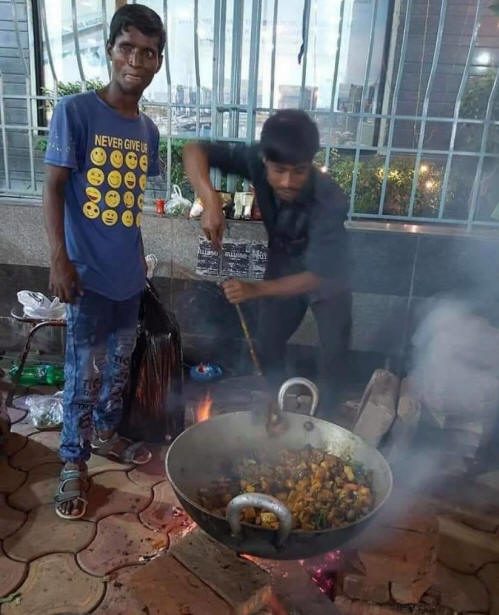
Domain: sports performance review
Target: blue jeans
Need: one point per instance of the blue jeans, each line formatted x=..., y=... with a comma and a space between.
x=101, y=335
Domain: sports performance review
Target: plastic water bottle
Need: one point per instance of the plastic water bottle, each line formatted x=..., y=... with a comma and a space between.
x=39, y=374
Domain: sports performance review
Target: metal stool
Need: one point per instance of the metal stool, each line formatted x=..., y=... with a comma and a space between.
x=36, y=324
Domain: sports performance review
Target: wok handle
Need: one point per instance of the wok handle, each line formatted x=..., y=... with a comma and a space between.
x=307, y=384
x=259, y=500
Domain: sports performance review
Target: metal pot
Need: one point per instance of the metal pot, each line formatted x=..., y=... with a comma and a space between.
x=199, y=455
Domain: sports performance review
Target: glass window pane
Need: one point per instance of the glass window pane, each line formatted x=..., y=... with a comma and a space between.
x=61, y=41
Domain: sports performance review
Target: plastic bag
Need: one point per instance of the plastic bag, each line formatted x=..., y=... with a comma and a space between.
x=37, y=305
x=196, y=209
x=177, y=205
x=152, y=263
x=153, y=407
x=45, y=410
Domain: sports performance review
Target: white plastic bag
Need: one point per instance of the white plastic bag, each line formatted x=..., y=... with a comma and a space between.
x=151, y=262
x=196, y=209
x=37, y=305
x=45, y=410
x=177, y=205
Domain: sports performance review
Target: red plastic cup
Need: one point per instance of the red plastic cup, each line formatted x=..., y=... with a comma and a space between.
x=160, y=206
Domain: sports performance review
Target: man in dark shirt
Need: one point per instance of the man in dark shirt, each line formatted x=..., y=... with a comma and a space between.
x=308, y=257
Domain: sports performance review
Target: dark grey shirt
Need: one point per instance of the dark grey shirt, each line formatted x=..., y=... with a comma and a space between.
x=307, y=235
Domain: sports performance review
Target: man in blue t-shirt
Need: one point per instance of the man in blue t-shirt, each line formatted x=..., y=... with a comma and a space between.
x=101, y=149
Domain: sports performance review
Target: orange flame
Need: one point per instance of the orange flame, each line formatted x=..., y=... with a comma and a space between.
x=203, y=411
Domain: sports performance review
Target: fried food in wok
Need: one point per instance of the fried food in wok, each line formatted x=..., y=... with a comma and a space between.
x=320, y=490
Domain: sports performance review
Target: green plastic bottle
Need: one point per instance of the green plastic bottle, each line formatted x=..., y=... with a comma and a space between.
x=39, y=374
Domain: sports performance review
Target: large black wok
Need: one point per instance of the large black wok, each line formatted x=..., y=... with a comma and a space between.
x=199, y=455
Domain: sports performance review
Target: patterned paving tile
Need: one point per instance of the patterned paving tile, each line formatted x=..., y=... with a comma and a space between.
x=41, y=448
x=121, y=540
x=489, y=575
x=121, y=598
x=55, y=584
x=10, y=478
x=44, y=532
x=153, y=472
x=97, y=464
x=11, y=519
x=14, y=443
x=39, y=488
x=164, y=510
x=16, y=414
x=11, y=575
x=114, y=492
x=24, y=427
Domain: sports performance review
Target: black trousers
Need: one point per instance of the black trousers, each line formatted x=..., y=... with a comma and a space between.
x=280, y=318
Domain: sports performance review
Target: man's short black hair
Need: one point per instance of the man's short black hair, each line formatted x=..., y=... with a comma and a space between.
x=290, y=136
x=141, y=17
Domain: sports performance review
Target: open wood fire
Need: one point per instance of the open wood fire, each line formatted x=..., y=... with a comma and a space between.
x=203, y=410
x=448, y=548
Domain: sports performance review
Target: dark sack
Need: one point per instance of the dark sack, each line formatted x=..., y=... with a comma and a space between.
x=153, y=407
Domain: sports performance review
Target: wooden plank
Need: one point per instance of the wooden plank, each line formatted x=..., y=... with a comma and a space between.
x=245, y=586
x=165, y=586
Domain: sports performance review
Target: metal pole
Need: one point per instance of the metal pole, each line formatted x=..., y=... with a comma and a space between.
x=104, y=35
x=235, y=76
x=395, y=99
x=306, y=26
x=196, y=66
x=272, y=58
x=76, y=38
x=426, y=102
x=218, y=69
x=30, y=133
x=334, y=88
x=166, y=61
x=4, y=135
x=478, y=176
x=362, y=103
x=48, y=48
x=256, y=15
x=457, y=108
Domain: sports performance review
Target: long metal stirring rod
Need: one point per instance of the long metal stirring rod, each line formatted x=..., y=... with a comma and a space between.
x=249, y=341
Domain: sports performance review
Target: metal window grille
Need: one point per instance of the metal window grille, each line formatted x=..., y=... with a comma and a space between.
x=416, y=149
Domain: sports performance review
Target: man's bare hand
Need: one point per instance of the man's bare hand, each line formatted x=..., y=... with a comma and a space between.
x=237, y=291
x=64, y=281
x=213, y=223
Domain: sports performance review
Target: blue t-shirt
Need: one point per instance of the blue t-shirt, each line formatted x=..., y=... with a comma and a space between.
x=110, y=157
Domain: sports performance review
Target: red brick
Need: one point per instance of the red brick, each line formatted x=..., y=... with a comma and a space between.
x=359, y=587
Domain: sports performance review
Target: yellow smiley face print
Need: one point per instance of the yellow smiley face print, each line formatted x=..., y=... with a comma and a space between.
x=116, y=158
x=140, y=201
x=143, y=163
x=130, y=180
x=91, y=210
x=98, y=156
x=128, y=199
x=95, y=176
x=143, y=182
x=109, y=217
x=93, y=194
x=112, y=198
x=131, y=160
x=138, y=219
x=127, y=218
x=114, y=179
